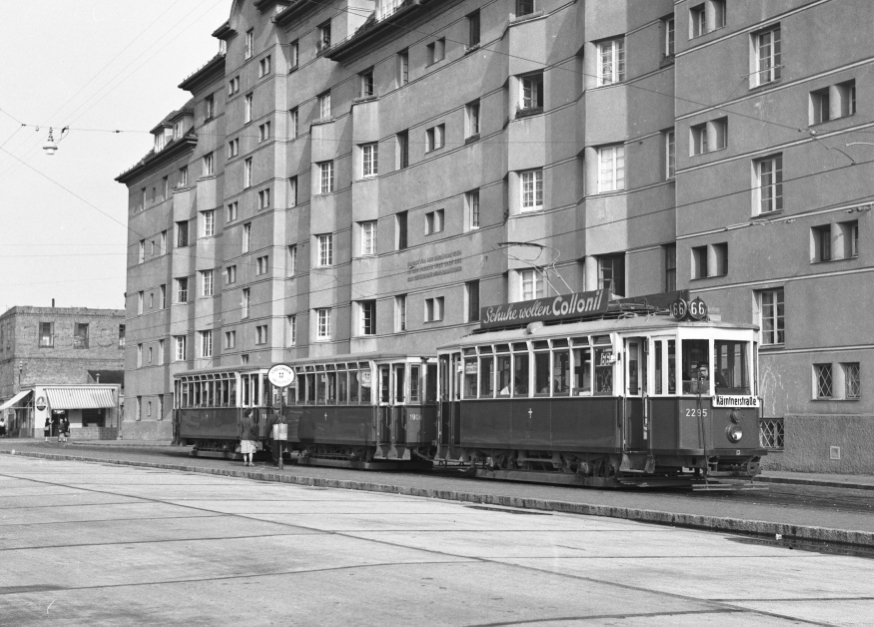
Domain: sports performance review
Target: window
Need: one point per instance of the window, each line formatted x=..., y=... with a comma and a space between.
x=209, y=108
x=326, y=177
x=367, y=317
x=472, y=120
x=139, y=413
x=292, y=191
x=670, y=267
x=367, y=90
x=233, y=148
x=264, y=67
x=323, y=324
x=162, y=302
x=233, y=211
x=80, y=335
x=261, y=334
x=768, y=192
x=471, y=297
x=436, y=51
x=324, y=34
x=434, y=137
x=850, y=236
x=697, y=21
x=400, y=313
x=247, y=237
x=611, y=168
x=234, y=86
x=180, y=343
x=247, y=173
x=531, y=189
x=325, y=249
x=765, y=57
x=264, y=132
x=532, y=284
x=293, y=55
x=709, y=136
x=822, y=380
x=706, y=17
x=182, y=234
x=369, y=158
x=161, y=352
x=434, y=309
x=403, y=139
x=244, y=303
x=820, y=110
x=611, y=65
x=669, y=37
x=524, y=7
x=852, y=381
x=205, y=343
x=250, y=43
x=292, y=260
x=293, y=123
x=821, y=243
x=264, y=198
x=207, y=283
x=151, y=300
x=403, y=67
x=611, y=274
x=699, y=262
x=368, y=237
x=772, y=317
x=401, y=224
x=531, y=91
x=165, y=187
x=207, y=218
x=230, y=339
x=208, y=164
x=249, y=106
x=47, y=334
x=325, y=106
x=719, y=13
x=471, y=207
x=719, y=267
x=139, y=355
x=231, y=275
x=262, y=264
x=182, y=290
x=141, y=253
x=291, y=330
x=433, y=222
x=182, y=181
x=670, y=155
x=473, y=30
x=832, y=103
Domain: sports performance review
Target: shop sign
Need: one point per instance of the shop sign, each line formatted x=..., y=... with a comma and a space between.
x=41, y=403
x=542, y=309
x=735, y=401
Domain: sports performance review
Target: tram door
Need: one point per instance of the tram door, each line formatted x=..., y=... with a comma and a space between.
x=636, y=420
x=444, y=405
x=384, y=406
x=398, y=431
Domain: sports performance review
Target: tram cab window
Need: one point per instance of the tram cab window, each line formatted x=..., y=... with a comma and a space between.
x=431, y=383
x=561, y=372
x=520, y=374
x=503, y=371
x=696, y=353
x=604, y=370
x=415, y=383
x=470, y=377
x=541, y=374
x=487, y=377
x=730, y=371
x=582, y=379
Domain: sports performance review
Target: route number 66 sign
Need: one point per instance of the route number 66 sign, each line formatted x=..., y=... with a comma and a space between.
x=696, y=309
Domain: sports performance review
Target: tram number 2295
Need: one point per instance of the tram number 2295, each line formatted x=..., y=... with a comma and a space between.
x=695, y=412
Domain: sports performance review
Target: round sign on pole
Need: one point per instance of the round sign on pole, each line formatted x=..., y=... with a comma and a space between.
x=281, y=375
x=698, y=309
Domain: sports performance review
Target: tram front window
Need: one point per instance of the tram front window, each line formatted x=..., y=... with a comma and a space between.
x=582, y=382
x=604, y=370
x=415, y=384
x=431, y=383
x=730, y=371
x=696, y=354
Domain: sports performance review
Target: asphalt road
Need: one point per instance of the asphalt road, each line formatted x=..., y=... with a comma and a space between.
x=102, y=544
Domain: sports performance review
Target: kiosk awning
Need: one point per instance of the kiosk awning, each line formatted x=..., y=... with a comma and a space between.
x=15, y=400
x=80, y=398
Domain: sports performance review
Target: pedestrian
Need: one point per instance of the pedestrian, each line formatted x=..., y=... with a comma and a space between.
x=2, y=426
x=47, y=430
x=248, y=436
x=63, y=429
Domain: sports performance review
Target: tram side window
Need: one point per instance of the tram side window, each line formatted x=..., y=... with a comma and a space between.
x=365, y=388
x=659, y=368
x=332, y=387
x=604, y=370
x=487, y=377
x=730, y=367
x=353, y=387
x=311, y=388
x=520, y=374
x=342, y=388
x=504, y=374
x=399, y=383
x=561, y=372
x=415, y=384
x=431, y=383
x=582, y=382
x=470, y=378
x=696, y=353
x=384, y=389
x=541, y=374
x=672, y=366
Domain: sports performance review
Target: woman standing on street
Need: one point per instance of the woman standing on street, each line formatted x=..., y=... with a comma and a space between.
x=47, y=430
x=248, y=436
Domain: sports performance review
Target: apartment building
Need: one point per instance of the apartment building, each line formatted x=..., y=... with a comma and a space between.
x=357, y=176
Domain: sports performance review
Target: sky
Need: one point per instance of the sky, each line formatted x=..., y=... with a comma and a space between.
x=96, y=66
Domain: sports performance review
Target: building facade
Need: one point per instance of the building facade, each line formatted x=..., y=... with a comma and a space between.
x=357, y=176
x=47, y=347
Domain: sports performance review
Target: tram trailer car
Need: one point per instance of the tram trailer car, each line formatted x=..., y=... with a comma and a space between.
x=379, y=411
x=638, y=400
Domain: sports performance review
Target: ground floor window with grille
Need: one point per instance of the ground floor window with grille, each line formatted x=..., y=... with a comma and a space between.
x=771, y=433
x=842, y=381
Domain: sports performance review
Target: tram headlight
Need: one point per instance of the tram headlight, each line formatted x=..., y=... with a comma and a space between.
x=734, y=433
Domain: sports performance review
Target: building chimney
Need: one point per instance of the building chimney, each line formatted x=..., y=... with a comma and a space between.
x=53, y=303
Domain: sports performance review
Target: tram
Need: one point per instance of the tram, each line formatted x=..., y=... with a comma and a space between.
x=635, y=396
x=361, y=411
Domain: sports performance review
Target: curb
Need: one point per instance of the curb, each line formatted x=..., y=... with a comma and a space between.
x=691, y=521
x=816, y=482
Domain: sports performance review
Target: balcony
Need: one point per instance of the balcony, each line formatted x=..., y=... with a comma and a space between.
x=80, y=341
x=47, y=341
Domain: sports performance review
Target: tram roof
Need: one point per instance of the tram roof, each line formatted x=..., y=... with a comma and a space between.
x=637, y=323
x=331, y=359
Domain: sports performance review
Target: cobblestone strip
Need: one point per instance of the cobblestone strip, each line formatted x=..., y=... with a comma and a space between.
x=689, y=521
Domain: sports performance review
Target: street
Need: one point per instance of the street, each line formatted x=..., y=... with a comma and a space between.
x=98, y=544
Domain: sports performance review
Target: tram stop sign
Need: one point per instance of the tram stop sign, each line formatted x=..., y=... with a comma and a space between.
x=281, y=375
